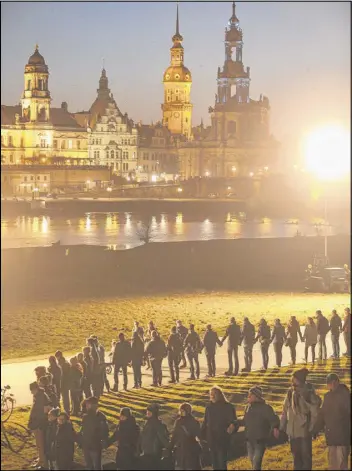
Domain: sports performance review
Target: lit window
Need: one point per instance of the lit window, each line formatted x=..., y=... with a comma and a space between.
x=70, y=144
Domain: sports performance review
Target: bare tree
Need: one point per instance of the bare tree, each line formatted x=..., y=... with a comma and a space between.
x=145, y=231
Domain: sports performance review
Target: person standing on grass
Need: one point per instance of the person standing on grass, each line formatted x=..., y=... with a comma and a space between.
x=174, y=353
x=154, y=439
x=299, y=417
x=293, y=331
x=103, y=376
x=38, y=421
x=137, y=357
x=76, y=376
x=335, y=418
x=156, y=351
x=278, y=337
x=121, y=358
x=55, y=371
x=346, y=329
x=210, y=341
x=138, y=329
x=185, y=440
x=335, y=329
x=65, y=443
x=150, y=330
x=322, y=328
x=193, y=347
x=233, y=333
x=85, y=383
x=94, y=434
x=126, y=436
x=96, y=376
x=259, y=421
x=263, y=335
x=50, y=437
x=310, y=338
x=182, y=332
x=65, y=382
x=48, y=388
x=248, y=340
x=220, y=421
x=88, y=378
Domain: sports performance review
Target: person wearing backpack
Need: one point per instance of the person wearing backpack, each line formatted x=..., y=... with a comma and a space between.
x=193, y=347
x=154, y=439
x=322, y=328
x=263, y=335
x=233, y=333
x=185, y=440
x=298, y=420
x=259, y=421
x=248, y=339
x=278, y=337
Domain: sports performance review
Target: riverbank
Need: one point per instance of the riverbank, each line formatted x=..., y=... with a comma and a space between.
x=60, y=273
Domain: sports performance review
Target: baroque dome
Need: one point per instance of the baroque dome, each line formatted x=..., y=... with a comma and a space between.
x=177, y=74
x=36, y=58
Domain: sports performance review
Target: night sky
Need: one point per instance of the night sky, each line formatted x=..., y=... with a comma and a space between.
x=299, y=54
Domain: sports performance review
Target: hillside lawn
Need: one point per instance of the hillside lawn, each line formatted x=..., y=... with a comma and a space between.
x=42, y=328
x=274, y=383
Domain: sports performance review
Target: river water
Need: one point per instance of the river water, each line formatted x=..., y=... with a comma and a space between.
x=119, y=229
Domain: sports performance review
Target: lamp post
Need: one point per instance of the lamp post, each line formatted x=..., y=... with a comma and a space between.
x=109, y=190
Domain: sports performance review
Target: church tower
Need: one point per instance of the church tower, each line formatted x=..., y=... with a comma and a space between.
x=177, y=108
x=36, y=96
x=233, y=73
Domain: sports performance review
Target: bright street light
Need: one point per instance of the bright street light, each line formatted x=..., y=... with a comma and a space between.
x=207, y=174
x=251, y=174
x=233, y=168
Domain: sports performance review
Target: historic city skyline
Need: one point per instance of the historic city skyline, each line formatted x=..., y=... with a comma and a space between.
x=140, y=92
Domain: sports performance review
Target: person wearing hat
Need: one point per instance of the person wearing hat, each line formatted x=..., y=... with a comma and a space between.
x=184, y=439
x=278, y=337
x=248, y=340
x=335, y=419
x=298, y=419
x=94, y=433
x=193, y=347
x=259, y=421
x=233, y=333
x=154, y=438
x=126, y=436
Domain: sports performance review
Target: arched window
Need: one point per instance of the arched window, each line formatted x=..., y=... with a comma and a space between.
x=112, y=154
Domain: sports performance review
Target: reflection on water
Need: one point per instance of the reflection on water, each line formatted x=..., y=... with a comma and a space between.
x=118, y=230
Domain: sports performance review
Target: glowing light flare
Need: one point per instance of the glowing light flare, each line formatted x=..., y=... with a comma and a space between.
x=327, y=153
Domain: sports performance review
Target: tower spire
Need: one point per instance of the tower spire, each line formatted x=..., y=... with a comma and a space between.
x=177, y=37
x=177, y=22
x=233, y=18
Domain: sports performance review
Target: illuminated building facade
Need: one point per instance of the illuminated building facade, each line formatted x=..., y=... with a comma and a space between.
x=34, y=132
x=238, y=142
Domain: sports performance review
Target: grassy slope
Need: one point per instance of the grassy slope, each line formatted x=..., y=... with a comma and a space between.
x=273, y=382
x=43, y=328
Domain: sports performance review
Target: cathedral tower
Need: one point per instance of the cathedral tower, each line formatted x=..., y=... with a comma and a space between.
x=36, y=96
x=177, y=108
x=233, y=73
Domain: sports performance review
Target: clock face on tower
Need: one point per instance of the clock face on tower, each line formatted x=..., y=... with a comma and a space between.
x=176, y=115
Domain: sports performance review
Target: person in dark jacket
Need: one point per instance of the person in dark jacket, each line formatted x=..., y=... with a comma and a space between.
x=248, y=340
x=293, y=331
x=185, y=440
x=193, y=347
x=233, y=334
x=156, y=351
x=38, y=421
x=335, y=329
x=150, y=330
x=138, y=329
x=154, y=438
x=96, y=373
x=121, y=358
x=50, y=391
x=210, y=341
x=88, y=372
x=85, y=388
x=335, y=417
x=94, y=433
x=174, y=353
x=220, y=421
x=65, y=383
x=55, y=370
x=65, y=443
x=40, y=371
x=263, y=335
x=260, y=421
x=137, y=356
x=346, y=329
x=126, y=436
x=322, y=328
x=182, y=332
x=76, y=375
x=278, y=337
x=50, y=437
x=104, y=378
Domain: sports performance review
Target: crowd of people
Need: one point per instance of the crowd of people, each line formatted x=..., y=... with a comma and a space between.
x=80, y=382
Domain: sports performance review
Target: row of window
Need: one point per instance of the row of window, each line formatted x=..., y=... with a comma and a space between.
x=63, y=144
x=124, y=142
x=111, y=154
x=37, y=178
x=157, y=156
x=41, y=85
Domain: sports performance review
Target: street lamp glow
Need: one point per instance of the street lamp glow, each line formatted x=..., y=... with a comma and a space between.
x=266, y=168
x=327, y=153
x=233, y=168
x=207, y=174
x=179, y=190
x=251, y=174
x=109, y=189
